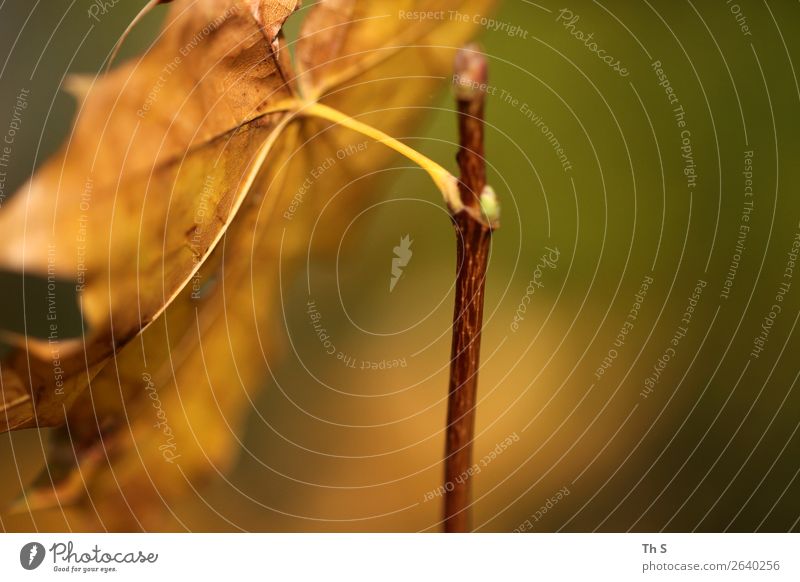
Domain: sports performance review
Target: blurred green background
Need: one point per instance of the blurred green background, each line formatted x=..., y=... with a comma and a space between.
x=713, y=446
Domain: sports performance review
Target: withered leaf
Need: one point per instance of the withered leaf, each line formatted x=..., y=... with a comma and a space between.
x=163, y=152
x=163, y=185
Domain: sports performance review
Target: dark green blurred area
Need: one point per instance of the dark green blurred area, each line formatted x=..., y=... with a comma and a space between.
x=713, y=447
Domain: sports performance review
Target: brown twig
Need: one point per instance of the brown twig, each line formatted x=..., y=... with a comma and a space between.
x=473, y=225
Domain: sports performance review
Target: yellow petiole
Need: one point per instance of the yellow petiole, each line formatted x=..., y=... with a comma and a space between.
x=444, y=180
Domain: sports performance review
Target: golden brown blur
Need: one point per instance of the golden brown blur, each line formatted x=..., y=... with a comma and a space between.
x=642, y=298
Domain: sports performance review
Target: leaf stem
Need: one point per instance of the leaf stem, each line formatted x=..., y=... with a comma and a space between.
x=473, y=226
x=444, y=180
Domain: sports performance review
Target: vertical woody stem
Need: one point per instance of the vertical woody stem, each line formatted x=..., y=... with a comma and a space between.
x=473, y=226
